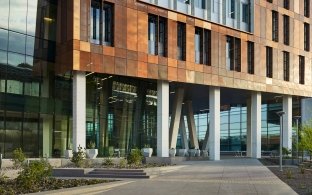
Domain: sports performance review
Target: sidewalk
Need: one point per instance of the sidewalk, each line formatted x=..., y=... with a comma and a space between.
x=231, y=176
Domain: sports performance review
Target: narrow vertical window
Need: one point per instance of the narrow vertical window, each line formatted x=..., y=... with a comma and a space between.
x=232, y=9
x=301, y=69
x=181, y=43
x=152, y=34
x=162, y=41
x=108, y=24
x=306, y=36
x=286, y=29
x=207, y=47
x=95, y=15
x=269, y=62
x=307, y=8
x=233, y=53
x=286, y=65
x=198, y=45
x=245, y=13
x=275, y=26
x=251, y=57
x=286, y=4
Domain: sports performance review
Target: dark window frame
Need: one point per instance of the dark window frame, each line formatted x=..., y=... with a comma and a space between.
x=160, y=35
x=234, y=53
x=286, y=4
x=181, y=41
x=286, y=29
x=251, y=57
x=306, y=37
x=301, y=69
x=307, y=8
x=269, y=62
x=286, y=65
x=275, y=26
x=204, y=45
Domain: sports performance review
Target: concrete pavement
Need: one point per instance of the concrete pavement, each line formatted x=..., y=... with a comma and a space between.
x=231, y=176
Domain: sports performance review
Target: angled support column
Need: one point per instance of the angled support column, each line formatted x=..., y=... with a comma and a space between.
x=191, y=125
x=255, y=125
x=214, y=125
x=183, y=133
x=175, y=117
x=287, y=121
x=79, y=109
x=205, y=144
x=162, y=118
x=248, y=139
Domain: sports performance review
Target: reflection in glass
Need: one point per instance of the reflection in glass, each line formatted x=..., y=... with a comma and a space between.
x=18, y=15
x=32, y=17
x=3, y=60
x=4, y=13
x=17, y=42
x=30, y=45
x=16, y=59
x=95, y=21
x=3, y=39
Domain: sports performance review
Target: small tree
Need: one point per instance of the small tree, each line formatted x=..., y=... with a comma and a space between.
x=18, y=157
x=306, y=138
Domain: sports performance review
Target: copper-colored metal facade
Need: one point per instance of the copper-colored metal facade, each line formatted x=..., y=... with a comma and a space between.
x=130, y=57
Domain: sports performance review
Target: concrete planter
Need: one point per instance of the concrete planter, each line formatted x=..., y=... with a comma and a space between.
x=182, y=152
x=204, y=153
x=172, y=152
x=192, y=152
x=92, y=153
x=147, y=152
x=68, y=154
x=197, y=153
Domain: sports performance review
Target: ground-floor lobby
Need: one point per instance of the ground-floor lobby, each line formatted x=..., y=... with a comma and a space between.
x=117, y=112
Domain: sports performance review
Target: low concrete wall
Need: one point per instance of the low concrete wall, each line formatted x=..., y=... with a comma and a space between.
x=165, y=160
x=70, y=172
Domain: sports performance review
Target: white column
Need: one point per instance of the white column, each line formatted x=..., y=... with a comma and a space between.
x=287, y=121
x=214, y=125
x=79, y=109
x=255, y=125
x=162, y=118
x=248, y=138
x=175, y=117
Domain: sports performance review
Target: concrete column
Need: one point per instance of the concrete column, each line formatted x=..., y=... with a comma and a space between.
x=248, y=138
x=175, y=117
x=162, y=118
x=79, y=109
x=255, y=125
x=214, y=125
x=287, y=121
x=183, y=133
x=205, y=144
x=191, y=125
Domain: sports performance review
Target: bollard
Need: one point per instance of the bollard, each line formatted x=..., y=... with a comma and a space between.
x=0, y=161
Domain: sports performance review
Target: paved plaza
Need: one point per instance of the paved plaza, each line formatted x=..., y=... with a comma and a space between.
x=230, y=176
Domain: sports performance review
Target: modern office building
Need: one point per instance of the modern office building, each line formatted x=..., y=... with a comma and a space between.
x=207, y=74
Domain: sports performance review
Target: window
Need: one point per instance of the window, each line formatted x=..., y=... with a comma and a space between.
x=275, y=26
x=301, y=69
x=286, y=65
x=286, y=30
x=202, y=46
x=286, y=4
x=270, y=1
x=200, y=4
x=232, y=9
x=233, y=53
x=108, y=28
x=250, y=57
x=269, y=62
x=306, y=36
x=157, y=35
x=181, y=43
x=245, y=13
x=307, y=8
x=102, y=19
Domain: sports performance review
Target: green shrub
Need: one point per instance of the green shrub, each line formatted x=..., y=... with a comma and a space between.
x=108, y=162
x=18, y=157
x=135, y=157
x=288, y=173
x=91, y=145
x=123, y=163
x=33, y=174
x=78, y=157
x=286, y=151
x=302, y=169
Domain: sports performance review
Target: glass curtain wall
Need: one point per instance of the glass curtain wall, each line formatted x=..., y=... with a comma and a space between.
x=35, y=104
x=121, y=113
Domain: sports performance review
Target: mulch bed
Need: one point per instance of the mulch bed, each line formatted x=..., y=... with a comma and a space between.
x=9, y=187
x=292, y=176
